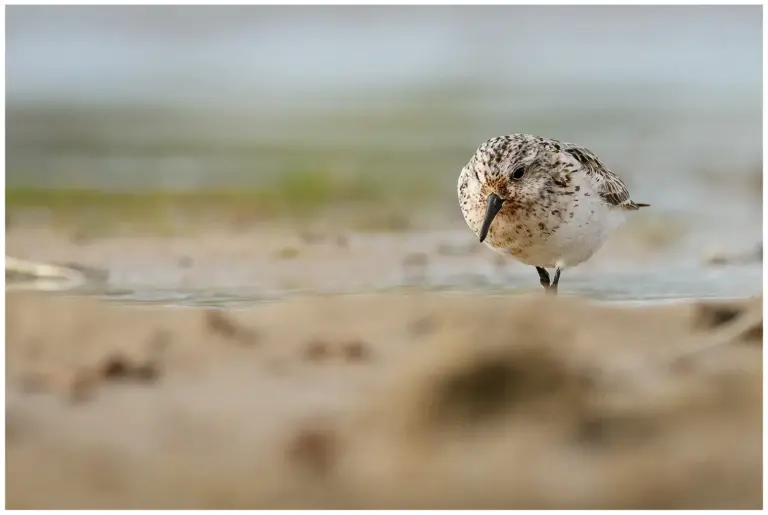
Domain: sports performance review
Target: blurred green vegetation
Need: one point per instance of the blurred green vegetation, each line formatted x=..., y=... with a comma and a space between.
x=297, y=194
x=374, y=163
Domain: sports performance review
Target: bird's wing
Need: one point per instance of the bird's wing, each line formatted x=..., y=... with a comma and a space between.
x=613, y=190
x=609, y=186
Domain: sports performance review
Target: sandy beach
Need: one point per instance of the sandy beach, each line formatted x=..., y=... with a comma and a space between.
x=424, y=400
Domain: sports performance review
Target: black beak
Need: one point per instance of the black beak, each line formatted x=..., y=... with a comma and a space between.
x=494, y=204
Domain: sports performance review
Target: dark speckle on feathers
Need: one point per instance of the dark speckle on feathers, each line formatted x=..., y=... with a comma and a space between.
x=612, y=189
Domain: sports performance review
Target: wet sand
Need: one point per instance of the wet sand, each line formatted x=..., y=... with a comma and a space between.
x=226, y=266
x=384, y=401
x=275, y=256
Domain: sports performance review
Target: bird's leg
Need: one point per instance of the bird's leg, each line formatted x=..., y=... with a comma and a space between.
x=555, y=280
x=543, y=277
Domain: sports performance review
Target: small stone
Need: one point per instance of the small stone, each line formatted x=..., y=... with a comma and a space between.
x=356, y=350
x=223, y=325
x=314, y=449
x=115, y=367
x=317, y=350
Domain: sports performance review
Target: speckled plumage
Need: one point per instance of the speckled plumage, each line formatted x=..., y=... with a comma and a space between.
x=559, y=203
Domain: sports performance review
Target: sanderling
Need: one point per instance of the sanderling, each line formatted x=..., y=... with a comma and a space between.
x=547, y=203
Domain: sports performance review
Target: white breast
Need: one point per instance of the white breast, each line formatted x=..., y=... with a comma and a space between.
x=580, y=237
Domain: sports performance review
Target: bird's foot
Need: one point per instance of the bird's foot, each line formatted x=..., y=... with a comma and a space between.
x=543, y=277
x=549, y=288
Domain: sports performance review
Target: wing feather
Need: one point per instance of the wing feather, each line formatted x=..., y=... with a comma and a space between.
x=610, y=187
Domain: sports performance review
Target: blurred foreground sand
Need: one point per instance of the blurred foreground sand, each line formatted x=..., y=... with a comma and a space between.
x=384, y=401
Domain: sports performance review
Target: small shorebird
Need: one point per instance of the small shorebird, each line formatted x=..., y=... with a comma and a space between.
x=547, y=203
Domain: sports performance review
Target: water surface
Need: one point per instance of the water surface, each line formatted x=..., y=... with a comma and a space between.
x=624, y=288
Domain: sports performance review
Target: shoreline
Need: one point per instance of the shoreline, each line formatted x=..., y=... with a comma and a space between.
x=276, y=261
x=128, y=295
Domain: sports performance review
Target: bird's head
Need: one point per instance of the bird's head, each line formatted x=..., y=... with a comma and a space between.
x=512, y=173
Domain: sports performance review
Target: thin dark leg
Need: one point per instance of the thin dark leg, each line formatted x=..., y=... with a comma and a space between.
x=543, y=277
x=555, y=281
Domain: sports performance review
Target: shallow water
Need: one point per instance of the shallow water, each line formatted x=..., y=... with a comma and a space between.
x=642, y=288
x=221, y=269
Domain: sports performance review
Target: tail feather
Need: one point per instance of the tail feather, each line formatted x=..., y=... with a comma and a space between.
x=634, y=206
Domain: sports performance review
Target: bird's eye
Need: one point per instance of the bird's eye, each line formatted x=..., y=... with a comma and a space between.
x=518, y=174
